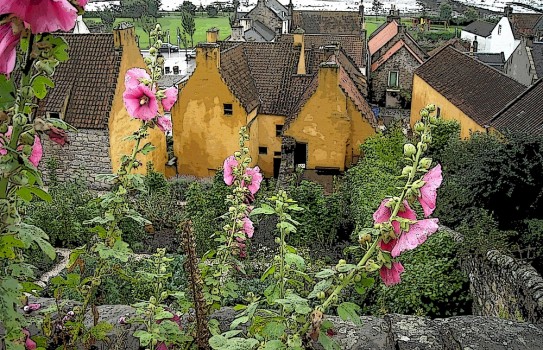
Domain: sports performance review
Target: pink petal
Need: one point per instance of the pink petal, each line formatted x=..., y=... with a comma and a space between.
x=37, y=152
x=34, y=307
x=229, y=164
x=42, y=15
x=387, y=247
x=417, y=234
x=133, y=76
x=428, y=192
x=170, y=99
x=383, y=214
x=391, y=276
x=132, y=101
x=58, y=136
x=164, y=123
x=248, y=227
x=82, y=3
x=8, y=45
x=162, y=346
x=256, y=179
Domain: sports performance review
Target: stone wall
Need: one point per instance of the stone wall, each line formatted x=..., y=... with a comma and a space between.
x=502, y=286
x=265, y=15
x=86, y=156
x=402, y=62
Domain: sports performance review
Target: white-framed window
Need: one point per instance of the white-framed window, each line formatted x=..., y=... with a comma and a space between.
x=393, y=79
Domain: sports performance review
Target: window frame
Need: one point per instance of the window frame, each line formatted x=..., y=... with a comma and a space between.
x=226, y=110
x=279, y=130
x=397, y=79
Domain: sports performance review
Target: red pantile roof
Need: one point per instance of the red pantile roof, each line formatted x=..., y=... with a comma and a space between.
x=329, y=22
x=475, y=88
x=86, y=83
x=384, y=36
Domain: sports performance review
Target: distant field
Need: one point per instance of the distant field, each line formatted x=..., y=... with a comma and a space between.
x=372, y=23
x=172, y=22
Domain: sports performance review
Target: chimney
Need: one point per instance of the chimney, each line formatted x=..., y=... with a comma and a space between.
x=329, y=75
x=361, y=14
x=298, y=37
x=393, y=14
x=475, y=45
x=212, y=35
x=508, y=11
x=124, y=35
x=237, y=33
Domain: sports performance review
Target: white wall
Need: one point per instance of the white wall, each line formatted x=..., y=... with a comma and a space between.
x=483, y=42
x=498, y=40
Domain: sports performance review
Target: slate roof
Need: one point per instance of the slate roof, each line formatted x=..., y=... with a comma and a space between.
x=537, y=55
x=475, y=88
x=86, y=83
x=480, y=28
x=495, y=60
x=524, y=113
x=330, y=22
x=278, y=8
x=264, y=75
x=353, y=45
x=266, y=33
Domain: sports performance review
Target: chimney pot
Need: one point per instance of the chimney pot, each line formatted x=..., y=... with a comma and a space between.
x=212, y=35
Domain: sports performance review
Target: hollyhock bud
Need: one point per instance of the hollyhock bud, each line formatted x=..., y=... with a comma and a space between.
x=419, y=127
x=3, y=128
x=433, y=120
x=424, y=113
x=152, y=50
x=407, y=170
x=425, y=163
x=164, y=123
x=431, y=108
x=58, y=136
x=20, y=119
x=409, y=149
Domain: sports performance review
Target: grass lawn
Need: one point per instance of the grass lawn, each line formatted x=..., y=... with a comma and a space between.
x=372, y=23
x=172, y=22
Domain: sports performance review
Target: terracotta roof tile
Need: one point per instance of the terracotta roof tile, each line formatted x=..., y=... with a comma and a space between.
x=86, y=83
x=475, y=88
x=524, y=113
x=330, y=22
x=349, y=87
x=353, y=45
x=524, y=23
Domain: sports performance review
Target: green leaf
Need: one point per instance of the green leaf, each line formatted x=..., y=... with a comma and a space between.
x=295, y=259
x=349, y=312
x=231, y=334
x=274, y=330
x=144, y=337
x=264, y=209
x=274, y=345
x=59, y=48
x=74, y=254
x=327, y=342
x=325, y=273
x=26, y=193
x=269, y=271
x=32, y=234
x=217, y=342
x=39, y=85
x=322, y=286
x=238, y=321
x=148, y=147
x=7, y=93
x=163, y=315
x=346, y=267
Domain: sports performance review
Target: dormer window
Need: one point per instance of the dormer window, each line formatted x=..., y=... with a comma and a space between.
x=55, y=115
x=228, y=109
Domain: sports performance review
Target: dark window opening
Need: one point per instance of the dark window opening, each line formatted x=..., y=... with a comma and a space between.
x=278, y=130
x=54, y=115
x=438, y=113
x=167, y=70
x=276, y=167
x=300, y=154
x=228, y=110
x=277, y=154
x=175, y=69
x=262, y=150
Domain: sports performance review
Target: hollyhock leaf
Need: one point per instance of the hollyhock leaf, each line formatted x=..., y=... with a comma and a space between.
x=7, y=92
x=349, y=312
x=417, y=234
x=8, y=45
x=428, y=192
x=229, y=164
x=391, y=276
x=39, y=85
x=170, y=99
x=43, y=16
x=141, y=103
x=133, y=76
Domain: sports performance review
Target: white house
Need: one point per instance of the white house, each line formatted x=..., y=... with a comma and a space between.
x=491, y=38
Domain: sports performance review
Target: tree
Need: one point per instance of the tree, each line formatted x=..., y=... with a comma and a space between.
x=211, y=11
x=132, y=8
x=187, y=6
x=189, y=27
x=445, y=12
x=108, y=18
x=471, y=14
x=423, y=7
x=376, y=7
x=148, y=23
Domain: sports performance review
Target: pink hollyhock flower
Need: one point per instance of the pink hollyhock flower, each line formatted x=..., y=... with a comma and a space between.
x=141, y=102
x=58, y=136
x=170, y=99
x=82, y=3
x=391, y=276
x=133, y=76
x=242, y=250
x=383, y=214
x=162, y=346
x=31, y=307
x=164, y=123
x=256, y=179
x=8, y=44
x=417, y=234
x=248, y=227
x=37, y=152
x=428, y=192
x=42, y=15
x=229, y=164
x=29, y=343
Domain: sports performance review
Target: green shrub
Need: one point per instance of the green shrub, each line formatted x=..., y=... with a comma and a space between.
x=531, y=239
x=432, y=283
x=62, y=218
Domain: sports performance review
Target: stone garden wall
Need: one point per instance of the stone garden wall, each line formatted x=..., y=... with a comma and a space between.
x=86, y=156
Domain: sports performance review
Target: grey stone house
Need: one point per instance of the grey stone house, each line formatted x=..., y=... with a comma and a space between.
x=525, y=64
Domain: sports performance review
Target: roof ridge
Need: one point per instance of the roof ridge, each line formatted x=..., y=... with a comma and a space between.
x=484, y=64
x=515, y=100
x=252, y=76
